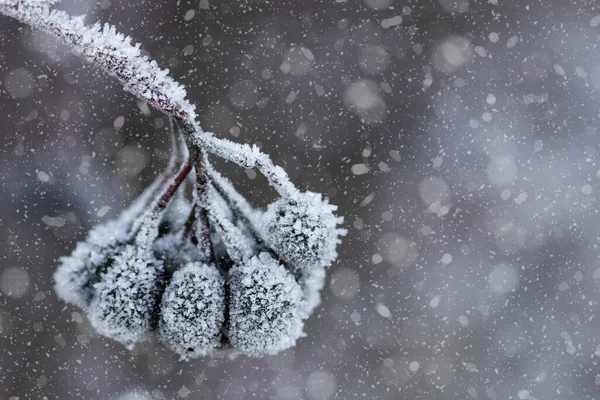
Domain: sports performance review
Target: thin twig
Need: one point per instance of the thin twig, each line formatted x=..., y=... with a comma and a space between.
x=190, y=222
x=177, y=181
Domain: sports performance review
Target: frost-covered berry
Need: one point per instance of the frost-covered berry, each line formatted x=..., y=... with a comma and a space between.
x=75, y=274
x=192, y=311
x=124, y=306
x=264, y=301
x=303, y=231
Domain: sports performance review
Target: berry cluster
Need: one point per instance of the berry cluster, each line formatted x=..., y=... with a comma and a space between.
x=208, y=274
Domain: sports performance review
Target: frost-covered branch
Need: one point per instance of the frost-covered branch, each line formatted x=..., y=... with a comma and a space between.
x=239, y=246
x=243, y=155
x=109, y=50
x=114, y=53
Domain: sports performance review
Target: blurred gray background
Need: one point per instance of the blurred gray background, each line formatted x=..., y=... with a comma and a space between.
x=458, y=137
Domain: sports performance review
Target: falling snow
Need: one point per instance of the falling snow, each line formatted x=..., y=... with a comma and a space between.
x=458, y=139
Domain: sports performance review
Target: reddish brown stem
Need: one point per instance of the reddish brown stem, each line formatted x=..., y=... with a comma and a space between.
x=190, y=222
x=159, y=207
x=177, y=181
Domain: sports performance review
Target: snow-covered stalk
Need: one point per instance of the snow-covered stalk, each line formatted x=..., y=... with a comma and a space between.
x=202, y=207
x=243, y=155
x=239, y=246
x=114, y=53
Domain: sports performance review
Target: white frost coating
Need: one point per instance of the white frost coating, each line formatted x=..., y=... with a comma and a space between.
x=264, y=301
x=311, y=282
x=125, y=301
x=193, y=311
x=303, y=232
x=245, y=156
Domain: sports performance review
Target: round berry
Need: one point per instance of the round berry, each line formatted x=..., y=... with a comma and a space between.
x=124, y=306
x=264, y=301
x=303, y=231
x=192, y=311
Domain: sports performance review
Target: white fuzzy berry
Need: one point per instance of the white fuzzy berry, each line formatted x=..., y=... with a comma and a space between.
x=124, y=306
x=264, y=301
x=303, y=231
x=192, y=311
